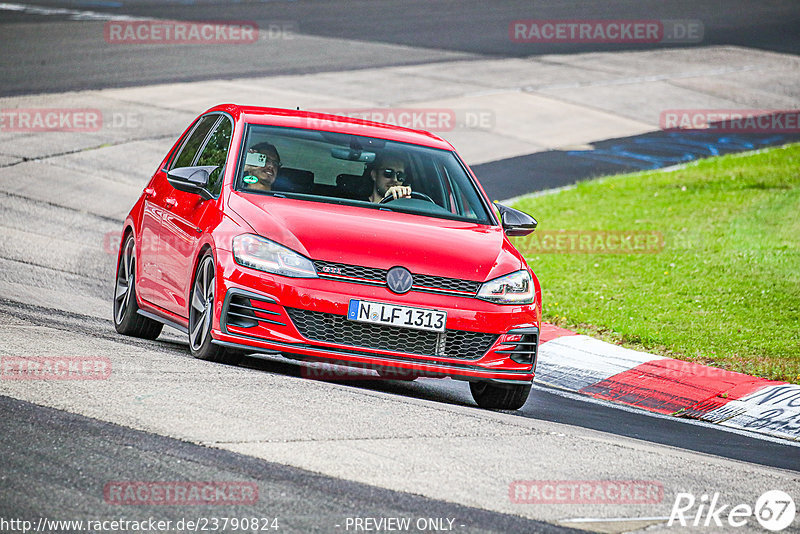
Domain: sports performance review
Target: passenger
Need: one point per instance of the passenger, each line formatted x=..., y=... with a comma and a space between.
x=388, y=173
x=260, y=172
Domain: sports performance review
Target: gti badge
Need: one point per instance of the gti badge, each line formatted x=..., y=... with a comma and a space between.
x=331, y=270
x=399, y=280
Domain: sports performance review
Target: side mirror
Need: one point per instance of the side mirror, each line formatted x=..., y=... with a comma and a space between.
x=516, y=223
x=192, y=179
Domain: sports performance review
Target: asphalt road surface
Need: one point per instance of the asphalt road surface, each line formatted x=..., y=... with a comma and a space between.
x=76, y=457
x=44, y=51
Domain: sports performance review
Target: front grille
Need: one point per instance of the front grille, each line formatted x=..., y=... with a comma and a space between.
x=373, y=276
x=450, y=284
x=351, y=271
x=331, y=328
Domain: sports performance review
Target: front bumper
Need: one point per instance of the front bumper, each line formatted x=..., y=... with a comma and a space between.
x=256, y=315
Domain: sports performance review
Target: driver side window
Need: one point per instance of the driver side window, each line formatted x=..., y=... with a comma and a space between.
x=216, y=153
x=193, y=142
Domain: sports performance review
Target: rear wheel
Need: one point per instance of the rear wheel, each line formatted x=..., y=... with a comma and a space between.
x=499, y=396
x=126, y=320
x=201, y=315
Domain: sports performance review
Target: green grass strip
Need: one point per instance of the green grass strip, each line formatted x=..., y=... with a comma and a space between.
x=725, y=288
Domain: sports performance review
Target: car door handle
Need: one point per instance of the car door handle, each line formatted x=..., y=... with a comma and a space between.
x=171, y=202
x=150, y=192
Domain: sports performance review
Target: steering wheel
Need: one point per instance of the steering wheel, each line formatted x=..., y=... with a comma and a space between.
x=414, y=194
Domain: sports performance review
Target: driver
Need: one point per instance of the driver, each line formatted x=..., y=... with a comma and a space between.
x=261, y=167
x=388, y=173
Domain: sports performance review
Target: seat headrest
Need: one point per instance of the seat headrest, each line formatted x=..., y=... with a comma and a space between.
x=293, y=180
x=354, y=186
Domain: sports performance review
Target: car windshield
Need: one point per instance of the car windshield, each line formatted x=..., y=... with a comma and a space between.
x=344, y=168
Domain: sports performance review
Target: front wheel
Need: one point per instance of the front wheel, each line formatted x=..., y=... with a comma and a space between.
x=499, y=396
x=201, y=315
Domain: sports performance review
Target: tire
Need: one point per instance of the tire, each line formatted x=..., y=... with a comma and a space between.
x=499, y=397
x=126, y=320
x=201, y=316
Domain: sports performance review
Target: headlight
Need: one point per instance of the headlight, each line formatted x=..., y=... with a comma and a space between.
x=259, y=253
x=514, y=288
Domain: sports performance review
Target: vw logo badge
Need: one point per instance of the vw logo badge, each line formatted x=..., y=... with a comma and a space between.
x=399, y=280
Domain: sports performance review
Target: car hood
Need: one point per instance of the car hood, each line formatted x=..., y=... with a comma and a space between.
x=380, y=238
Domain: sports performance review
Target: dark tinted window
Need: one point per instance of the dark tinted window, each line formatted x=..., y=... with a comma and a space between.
x=215, y=153
x=194, y=141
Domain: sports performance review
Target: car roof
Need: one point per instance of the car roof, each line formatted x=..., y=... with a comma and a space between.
x=310, y=120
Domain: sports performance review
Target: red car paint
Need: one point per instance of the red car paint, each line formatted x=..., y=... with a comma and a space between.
x=173, y=229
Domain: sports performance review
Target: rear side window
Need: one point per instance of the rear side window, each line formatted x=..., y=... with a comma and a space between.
x=215, y=153
x=194, y=142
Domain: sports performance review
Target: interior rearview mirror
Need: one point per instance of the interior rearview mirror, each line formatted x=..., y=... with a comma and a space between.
x=353, y=154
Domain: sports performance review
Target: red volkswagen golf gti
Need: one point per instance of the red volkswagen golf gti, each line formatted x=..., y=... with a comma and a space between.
x=331, y=239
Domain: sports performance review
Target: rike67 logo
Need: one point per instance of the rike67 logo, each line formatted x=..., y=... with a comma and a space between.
x=774, y=510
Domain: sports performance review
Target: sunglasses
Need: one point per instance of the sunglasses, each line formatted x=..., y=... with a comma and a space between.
x=275, y=163
x=400, y=176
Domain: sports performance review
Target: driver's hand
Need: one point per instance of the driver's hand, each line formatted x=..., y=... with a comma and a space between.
x=399, y=191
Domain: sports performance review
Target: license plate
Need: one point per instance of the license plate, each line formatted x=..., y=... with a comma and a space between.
x=394, y=315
